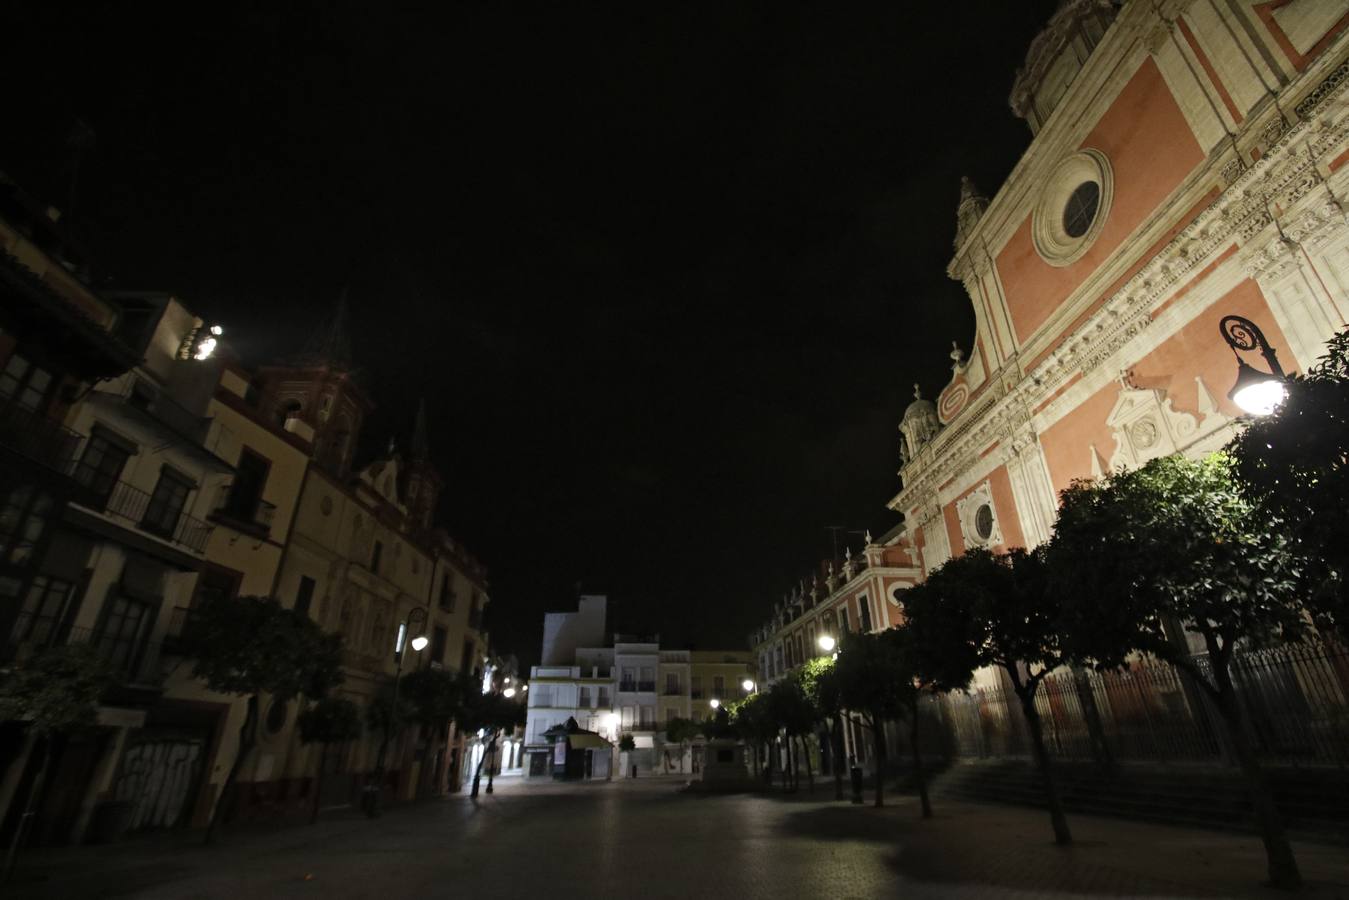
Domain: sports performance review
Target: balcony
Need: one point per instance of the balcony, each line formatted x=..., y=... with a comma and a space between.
x=39, y=438
x=672, y=691
x=122, y=654
x=236, y=515
x=132, y=505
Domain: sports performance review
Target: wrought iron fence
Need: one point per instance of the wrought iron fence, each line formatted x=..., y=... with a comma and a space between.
x=1295, y=698
x=134, y=505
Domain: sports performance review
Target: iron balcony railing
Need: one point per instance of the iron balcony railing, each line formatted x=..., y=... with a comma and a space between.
x=627, y=686
x=258, y=520
x=39, y=438
x=131, y=504
x=673, y=691
x=121, y=653
x=648, y=687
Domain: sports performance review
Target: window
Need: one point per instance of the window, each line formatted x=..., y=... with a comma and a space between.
x=1081, y=208
x=983, y=522
x=217, y=584
x=102, y=464
x=438, y=638
x=844, y=626
x=647, y=682
x=124, y=625
x=466, y=661
x=627, y=716
x=696, y=687
x=719, y=686
x=43, y=609
x=864, y=610
x=24, y=384
x=585, y=698
x=304, y=595
x=23, y=519
x=446, y=601
x=604, y=698
x=648, y=717
x=246, y=492
x=671, y=713
x=375, y=557
x=628, y=681
x=166, y=503
x=672, y=682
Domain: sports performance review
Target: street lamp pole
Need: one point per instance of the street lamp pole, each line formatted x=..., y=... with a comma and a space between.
x=1255, y=392
x=418, y=643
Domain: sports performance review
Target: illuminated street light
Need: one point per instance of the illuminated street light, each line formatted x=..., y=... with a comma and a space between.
x=748, y=685
x=826, y=642
x=1256, y=393
x=715, y=703
x=416, y=619
x=508, y=693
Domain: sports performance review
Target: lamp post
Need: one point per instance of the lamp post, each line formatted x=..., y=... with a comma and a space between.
x=1255, y=392
x=417, y=616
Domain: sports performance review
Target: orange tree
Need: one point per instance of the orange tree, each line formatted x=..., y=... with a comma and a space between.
x=986, y=609
x=1177, y=544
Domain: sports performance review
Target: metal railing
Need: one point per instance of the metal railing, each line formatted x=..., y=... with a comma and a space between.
x=156, y=403
x=628, y=687
x=672, y=691
x=1295, y=699
x=259, y=519
x=38, y=437
x=132, y=504
x=122, y=654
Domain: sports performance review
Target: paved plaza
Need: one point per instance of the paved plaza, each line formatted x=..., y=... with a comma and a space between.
x=643, y=839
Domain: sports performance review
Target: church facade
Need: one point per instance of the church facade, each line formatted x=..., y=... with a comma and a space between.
x=1187, y=166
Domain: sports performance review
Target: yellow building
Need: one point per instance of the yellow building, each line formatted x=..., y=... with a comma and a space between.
x=719, y=675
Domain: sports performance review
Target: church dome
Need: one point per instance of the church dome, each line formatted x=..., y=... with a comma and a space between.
x=1057, y=55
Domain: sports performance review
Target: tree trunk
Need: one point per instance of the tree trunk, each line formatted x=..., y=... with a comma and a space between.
x=1281, y=863
x=878, y=729
x=34, y=792
x=1086, y=697
x=248, y=733
x=919, y=778
x=1056, y=817
x=836, y=740
x=318, y=782
x=794, y=780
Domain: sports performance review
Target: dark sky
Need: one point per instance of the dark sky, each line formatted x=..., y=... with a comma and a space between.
x=664, y=273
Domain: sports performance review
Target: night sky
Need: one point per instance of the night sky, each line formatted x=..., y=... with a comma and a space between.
x=665, y=274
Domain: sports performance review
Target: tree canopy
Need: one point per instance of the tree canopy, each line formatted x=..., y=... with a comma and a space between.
x=253, y=645
x=1175, y=541
x=1296, y=465
x=56, y=691
x=331, y=720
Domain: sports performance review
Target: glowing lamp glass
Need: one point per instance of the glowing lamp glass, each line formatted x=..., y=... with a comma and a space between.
x=826, y=642
x=715, y=703
x=1260, y=398
x=419, y=642
x=508, y=693
x=747, y=684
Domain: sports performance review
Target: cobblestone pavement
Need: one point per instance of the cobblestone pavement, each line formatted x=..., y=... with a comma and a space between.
x=642, y=839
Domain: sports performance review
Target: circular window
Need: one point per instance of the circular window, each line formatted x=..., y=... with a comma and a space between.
x=1072, y=207
x=983, y=522
x=276, y=716
x=1081, y=209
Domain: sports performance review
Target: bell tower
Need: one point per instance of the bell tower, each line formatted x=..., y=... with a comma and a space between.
x=424, y=482
x=317, y=394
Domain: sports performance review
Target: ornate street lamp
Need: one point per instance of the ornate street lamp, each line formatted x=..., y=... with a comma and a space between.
x=417, y=616
x=1255, y=392
x=826, y=642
